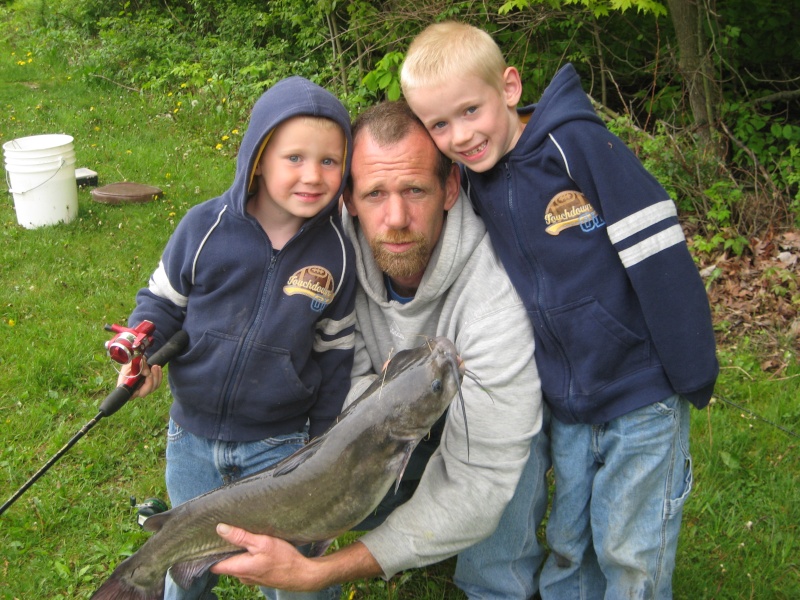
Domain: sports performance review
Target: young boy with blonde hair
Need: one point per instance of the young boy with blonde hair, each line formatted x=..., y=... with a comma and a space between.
x=624, y=339
x=261, y=278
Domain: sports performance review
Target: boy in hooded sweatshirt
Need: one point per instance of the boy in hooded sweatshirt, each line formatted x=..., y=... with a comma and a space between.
x=624, y=339
x=261, y=280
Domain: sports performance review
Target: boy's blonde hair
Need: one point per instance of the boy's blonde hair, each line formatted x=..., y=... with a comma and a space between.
x=451, y=49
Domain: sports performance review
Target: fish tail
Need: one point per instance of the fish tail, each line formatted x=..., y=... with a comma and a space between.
x=117, y=587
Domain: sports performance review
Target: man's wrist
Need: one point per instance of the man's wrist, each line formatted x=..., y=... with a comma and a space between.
x=348, y=564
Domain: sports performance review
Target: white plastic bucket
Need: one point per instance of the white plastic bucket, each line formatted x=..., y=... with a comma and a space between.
x=22, y=161
x=40, y=172
x=38, y=146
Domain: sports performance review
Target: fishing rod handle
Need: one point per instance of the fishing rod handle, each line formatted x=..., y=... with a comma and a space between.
x=117, y=399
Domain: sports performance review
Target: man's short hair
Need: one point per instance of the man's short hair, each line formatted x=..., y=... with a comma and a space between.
x=391, y=122
x=448, y=50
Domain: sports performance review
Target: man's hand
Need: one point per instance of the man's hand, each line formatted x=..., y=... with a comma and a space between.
x=152, y=378
x=268, y=561
x=272, y=562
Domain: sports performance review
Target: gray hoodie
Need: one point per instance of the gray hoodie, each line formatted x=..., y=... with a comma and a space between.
x=466, y=296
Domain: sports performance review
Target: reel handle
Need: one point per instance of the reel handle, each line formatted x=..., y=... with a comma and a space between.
x=117, y=399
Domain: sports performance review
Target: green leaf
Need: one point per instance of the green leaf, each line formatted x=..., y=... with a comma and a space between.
x=728, y=460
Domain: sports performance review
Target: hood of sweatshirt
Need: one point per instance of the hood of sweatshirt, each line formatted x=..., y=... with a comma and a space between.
x=461, y=234
x=562, y=101
x=290, y=97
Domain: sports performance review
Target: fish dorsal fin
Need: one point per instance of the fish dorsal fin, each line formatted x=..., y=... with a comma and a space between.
x=406, y=457
x=290, y=463
x=185, y=573
x=156, y=522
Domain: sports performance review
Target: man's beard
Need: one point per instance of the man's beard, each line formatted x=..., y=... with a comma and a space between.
x=405, y=264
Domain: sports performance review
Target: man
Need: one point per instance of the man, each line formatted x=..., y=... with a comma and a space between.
x=426, y=268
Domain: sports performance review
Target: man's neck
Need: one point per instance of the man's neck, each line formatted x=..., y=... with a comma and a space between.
x=400, y=291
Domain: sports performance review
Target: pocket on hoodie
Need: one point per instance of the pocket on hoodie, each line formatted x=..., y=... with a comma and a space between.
x=270, y=388
x=599, y=348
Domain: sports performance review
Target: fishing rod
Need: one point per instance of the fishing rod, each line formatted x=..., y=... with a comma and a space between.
x=757, y=416
x=127, y=346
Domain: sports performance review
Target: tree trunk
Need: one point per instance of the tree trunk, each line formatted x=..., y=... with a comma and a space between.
x=696, y=67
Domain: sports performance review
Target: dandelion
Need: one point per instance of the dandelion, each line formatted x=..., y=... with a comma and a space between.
x=218, y=146
x=225, y=138
x=91, y=108
x=180, y=103
x=167, y=175
x=97, y=128
x=183, y=85
x=11, y=322
x=128, y=152
x=235, y=132
x=172, y=214
x=176, y=111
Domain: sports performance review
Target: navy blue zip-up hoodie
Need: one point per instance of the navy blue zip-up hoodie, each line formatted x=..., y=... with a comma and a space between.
x=271, y=335
x=593, y=245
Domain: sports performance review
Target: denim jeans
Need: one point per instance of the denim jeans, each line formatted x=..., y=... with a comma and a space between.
x=620, y=488
x=505, y=566
x=197, y=465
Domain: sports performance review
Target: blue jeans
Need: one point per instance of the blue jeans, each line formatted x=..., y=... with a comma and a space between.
x=197, y=465
x=620, y=488
x=505, y=566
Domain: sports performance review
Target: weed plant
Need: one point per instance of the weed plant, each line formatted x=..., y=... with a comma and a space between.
x=60, y=284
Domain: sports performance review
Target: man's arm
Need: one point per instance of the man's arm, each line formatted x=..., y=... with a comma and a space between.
x=275, y=563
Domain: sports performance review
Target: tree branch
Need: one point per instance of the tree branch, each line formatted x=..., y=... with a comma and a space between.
x=785, y=95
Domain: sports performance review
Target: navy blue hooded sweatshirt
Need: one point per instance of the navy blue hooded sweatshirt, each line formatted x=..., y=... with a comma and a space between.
x=593, y=245
x=271, y=334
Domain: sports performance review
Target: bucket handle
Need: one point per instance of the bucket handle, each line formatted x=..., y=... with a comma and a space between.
x=38, y=185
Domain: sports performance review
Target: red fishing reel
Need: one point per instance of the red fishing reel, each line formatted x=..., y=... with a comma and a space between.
x=129, y=345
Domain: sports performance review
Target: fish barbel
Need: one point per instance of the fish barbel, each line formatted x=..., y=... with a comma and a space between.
x=313, y=496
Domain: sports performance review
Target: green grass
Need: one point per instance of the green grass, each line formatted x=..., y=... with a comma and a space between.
x=59, y=285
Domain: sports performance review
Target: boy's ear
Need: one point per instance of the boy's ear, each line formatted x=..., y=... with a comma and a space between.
x=512, y=86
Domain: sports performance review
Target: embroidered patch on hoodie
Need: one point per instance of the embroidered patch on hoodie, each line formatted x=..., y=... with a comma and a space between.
x=570, y=209
x=315, y=282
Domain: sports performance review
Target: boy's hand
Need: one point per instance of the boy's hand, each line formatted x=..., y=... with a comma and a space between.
x=152, y=378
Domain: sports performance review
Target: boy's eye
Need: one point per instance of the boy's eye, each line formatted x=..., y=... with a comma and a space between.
x=294, y=158
x=472, y=110
x=439, y=125
x=328, y=162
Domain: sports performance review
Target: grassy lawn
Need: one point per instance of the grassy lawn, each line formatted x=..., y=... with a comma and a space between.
x=59, y=285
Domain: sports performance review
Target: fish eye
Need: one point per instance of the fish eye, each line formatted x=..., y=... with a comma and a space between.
x=436, y=386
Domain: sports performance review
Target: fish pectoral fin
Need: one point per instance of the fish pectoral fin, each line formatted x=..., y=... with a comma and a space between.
x=156, y=522
x=185, y=573
x=319, y=548
x=406, y=457
x=290, y=463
